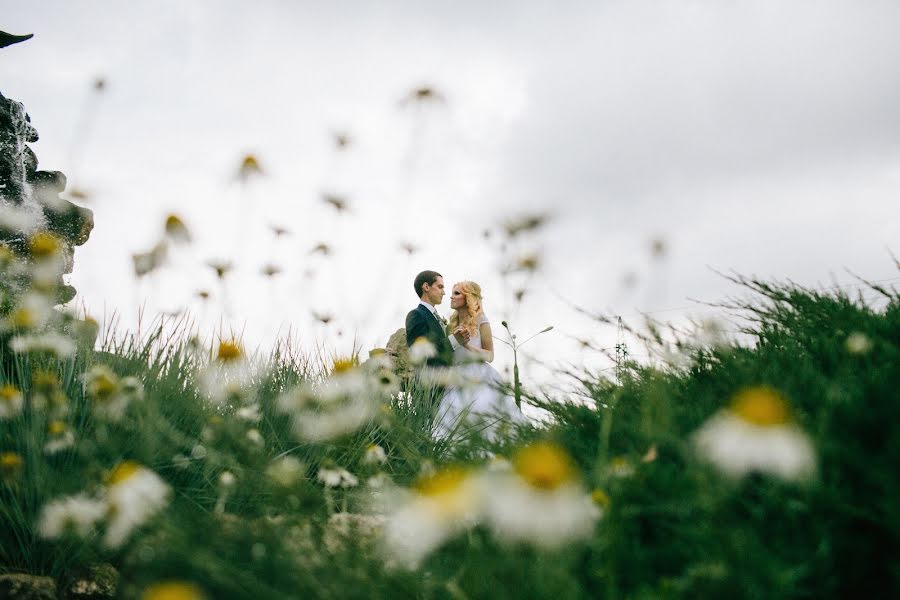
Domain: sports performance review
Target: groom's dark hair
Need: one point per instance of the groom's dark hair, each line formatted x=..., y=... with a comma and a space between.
x=424, y=277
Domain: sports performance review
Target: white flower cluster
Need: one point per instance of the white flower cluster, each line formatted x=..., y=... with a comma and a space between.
x=342, y=403
x=756, y=434
x=133, y=496
x=110, y=396
x=538, y=500
x=229, y=376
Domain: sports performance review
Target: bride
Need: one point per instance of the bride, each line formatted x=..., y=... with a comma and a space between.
x=478, y=398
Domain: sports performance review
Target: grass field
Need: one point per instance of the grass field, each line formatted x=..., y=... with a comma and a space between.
x=765, y=470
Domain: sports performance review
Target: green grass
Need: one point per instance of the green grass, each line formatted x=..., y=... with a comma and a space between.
x=674, y=528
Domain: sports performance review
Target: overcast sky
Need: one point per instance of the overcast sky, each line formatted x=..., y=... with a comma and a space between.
x=756, y=136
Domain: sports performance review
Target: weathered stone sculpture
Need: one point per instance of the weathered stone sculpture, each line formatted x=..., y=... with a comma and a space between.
x=29, y=198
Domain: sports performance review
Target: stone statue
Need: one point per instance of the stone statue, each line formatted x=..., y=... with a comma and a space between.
x=33, y=195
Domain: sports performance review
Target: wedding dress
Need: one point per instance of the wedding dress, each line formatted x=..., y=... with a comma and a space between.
x=476, y=398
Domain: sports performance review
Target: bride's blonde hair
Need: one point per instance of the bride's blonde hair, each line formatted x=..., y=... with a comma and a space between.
x=469, y=318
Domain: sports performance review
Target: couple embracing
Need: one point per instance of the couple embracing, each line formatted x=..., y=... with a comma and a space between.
x=463, y=347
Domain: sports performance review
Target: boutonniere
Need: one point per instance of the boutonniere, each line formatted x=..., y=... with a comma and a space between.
x=441, y=319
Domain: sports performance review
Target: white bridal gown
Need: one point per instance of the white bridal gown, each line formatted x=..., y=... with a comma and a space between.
x=475, y=398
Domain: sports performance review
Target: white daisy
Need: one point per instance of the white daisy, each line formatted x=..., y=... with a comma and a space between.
x=286, y=471
x=59, y=438
x=109, y=397
x=374, y=455
x=421, y=350
x=228, y=376
x=541, y=500
x=858, y=343
x=52, y=343
x=440, y=506
x=756, y=434
x=337, y=477
x=76, y=514
x=339, y=405
x=11, y=401
x=32, y=311
x=135, y=495
x=256, y=437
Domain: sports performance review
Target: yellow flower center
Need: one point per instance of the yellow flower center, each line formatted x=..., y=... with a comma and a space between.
x=250, y=164
x=6, y=255
x=8, y=393
x=172, y=590
x=761, y=406
x=600, y=498
x=56, y=428
x=544, y=465
x=174, y=224
x=443, y=482
x=343, y=365
x=446, y=491
x=229, y=352
x=44, y=381
x=124, y=471
x=103, y=386
x=10, y=462
x=23, y=318
x=44, y=245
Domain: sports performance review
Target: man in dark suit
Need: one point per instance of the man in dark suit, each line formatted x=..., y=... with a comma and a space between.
x=423, y=321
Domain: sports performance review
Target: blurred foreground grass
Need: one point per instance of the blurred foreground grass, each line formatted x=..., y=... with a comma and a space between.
x=202, y=477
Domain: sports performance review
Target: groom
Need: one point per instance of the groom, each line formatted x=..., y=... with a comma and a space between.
x=423, y=321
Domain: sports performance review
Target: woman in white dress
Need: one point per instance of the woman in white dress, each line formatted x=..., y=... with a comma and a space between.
x=477, y=398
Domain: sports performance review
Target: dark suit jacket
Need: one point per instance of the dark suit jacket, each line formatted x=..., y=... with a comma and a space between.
x=421, y=323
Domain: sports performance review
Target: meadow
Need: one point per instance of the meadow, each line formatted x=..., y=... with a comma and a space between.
x=168, y=466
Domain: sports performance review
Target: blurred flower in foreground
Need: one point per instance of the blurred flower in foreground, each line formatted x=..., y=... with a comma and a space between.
x=176, y=230
x=173, y=590
x=270, y=270
x=339, y=203
x=32, y=311
x=755, y=433
x=11, y=401
x=441, y=505
x=59, y=437
x=858, y=343
x=109, y=395
x=229, y=375
x=424, y=94
x=286, y=471
x=541, y=501
x=374, y=455
x=278, y=230
x=135, y=494
x=341, y=140
x=49, y=261
x=76, y=515
x=15, y=220
x=321, y=317
x=658, y=248
x=341, y=404
x=321, y=248
x=10, y=464
x=56, y=344
x=337, y=477
x=221, y=267
x=80, y=194
x=620, y=467
x=421, y=350
x=249, y=168
x=528, y=262
x=147, y=262
x=514, y=227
